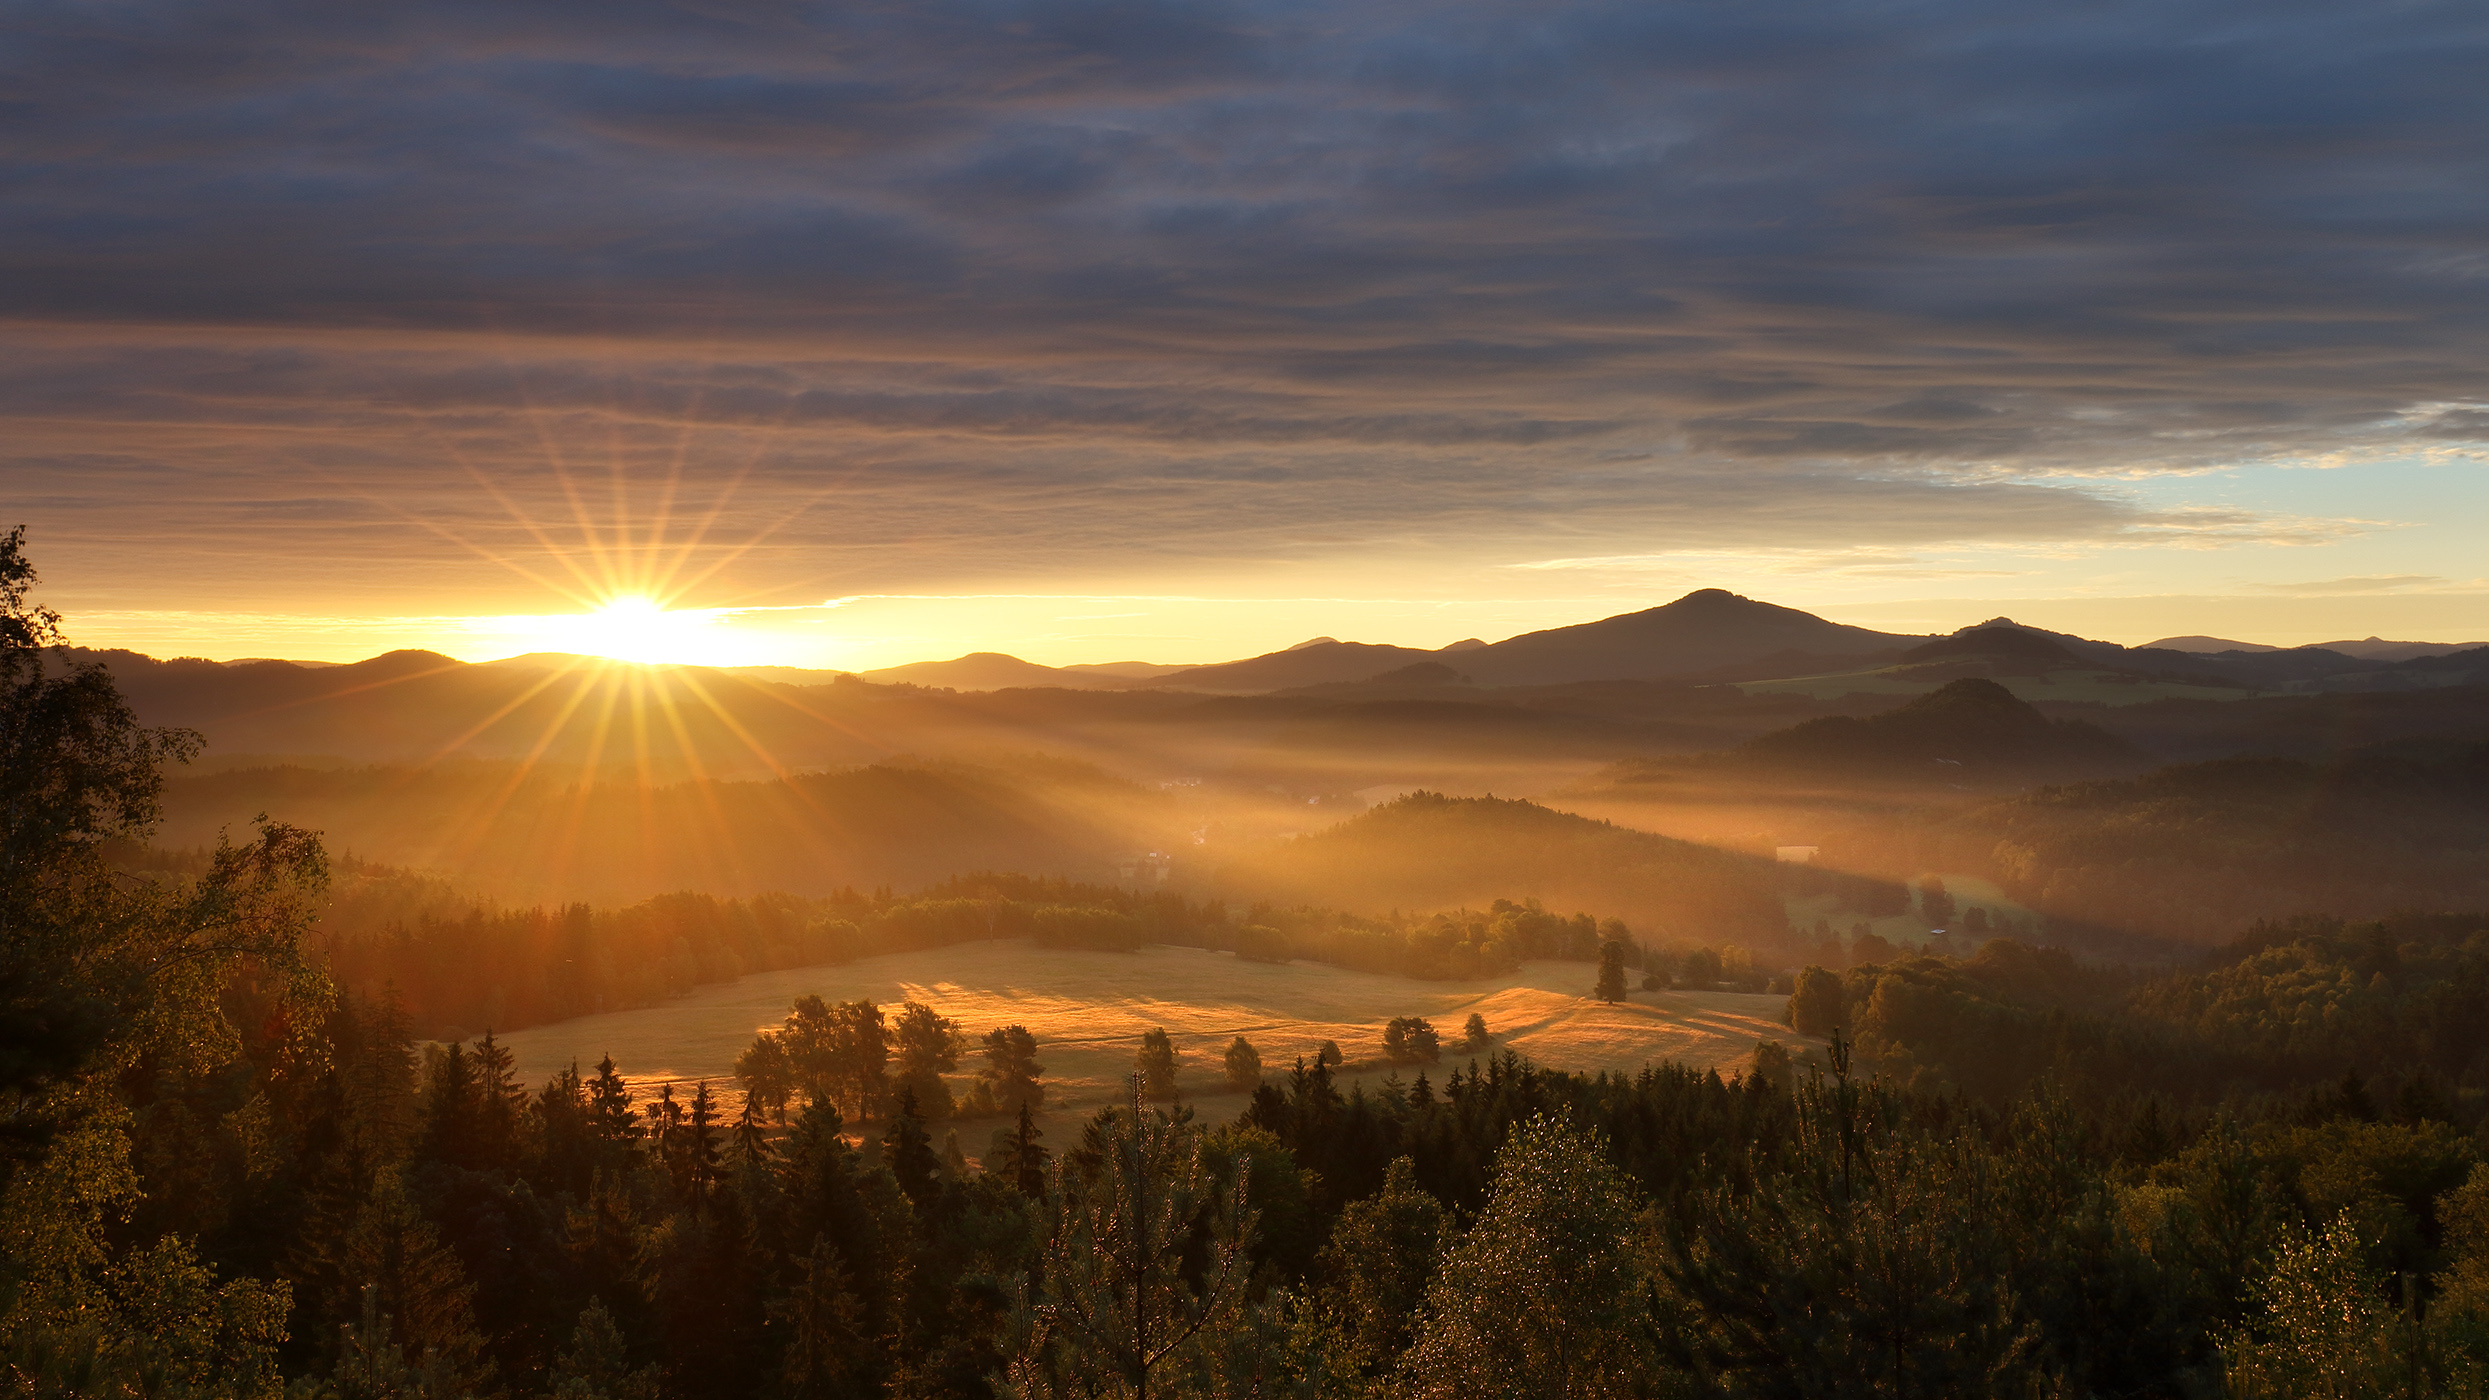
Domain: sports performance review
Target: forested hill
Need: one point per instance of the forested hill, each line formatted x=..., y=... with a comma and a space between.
x=537, y=835
x=1970, y=730
x=2192, y=854
x=1426, y=850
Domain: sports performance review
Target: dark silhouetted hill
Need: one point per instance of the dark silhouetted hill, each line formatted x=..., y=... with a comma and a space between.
x=2020, y=643
x=988, y=670
x=1318, y=662
x=1969, y=730
x=1702, y=631
x=1427, y=851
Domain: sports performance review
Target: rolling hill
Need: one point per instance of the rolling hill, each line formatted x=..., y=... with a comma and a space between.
x=1088, y=1011
x=534, y=835
x=1428, y=851
x=2197, y=852
x=1970, y=730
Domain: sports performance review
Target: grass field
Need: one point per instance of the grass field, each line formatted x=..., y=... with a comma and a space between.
x=1088, y=1011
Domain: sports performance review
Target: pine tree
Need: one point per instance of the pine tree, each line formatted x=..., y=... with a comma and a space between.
x=825, y=1327
x=831, y=1197
x=1019, y=1158
x=665, y=1138
x=700, y=1148
x=908, y=1151
x=1146, y=1269
x=597, y=1365
x=751, y=1138
x=611, y=1119
x=562, y=1150
x=452, y=1132
x=415, y=1281
x=500, y=1105
x=1474, y=1037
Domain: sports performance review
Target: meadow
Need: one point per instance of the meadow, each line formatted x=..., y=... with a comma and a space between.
x=1089, y=1009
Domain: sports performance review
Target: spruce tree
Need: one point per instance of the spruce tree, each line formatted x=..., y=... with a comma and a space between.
x=597, y=1364
x=827, y=1347
x=561, y=1149
x=415, y=1282
x=751, y=1136
x=907, y=1149
x=500, y=1104
x=610, y=1114
x=1018, y=1157
x=665, y=1138
x=700, y=1154
x=452, y=1130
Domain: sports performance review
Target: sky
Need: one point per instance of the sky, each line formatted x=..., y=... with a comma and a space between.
x=1091, y=330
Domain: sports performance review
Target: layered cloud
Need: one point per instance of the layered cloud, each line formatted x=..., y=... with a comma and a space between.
x=957, y=291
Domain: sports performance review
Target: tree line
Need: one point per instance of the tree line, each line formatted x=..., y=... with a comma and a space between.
x=458, y=966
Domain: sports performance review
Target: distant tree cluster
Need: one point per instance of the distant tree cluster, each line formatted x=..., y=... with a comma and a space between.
x=854, y=1058
x=1411, y=1040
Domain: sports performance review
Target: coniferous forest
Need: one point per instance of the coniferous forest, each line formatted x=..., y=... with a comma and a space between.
x=226, y=1170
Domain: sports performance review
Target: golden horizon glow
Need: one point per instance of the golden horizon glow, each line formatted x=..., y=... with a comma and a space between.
x=631, y=627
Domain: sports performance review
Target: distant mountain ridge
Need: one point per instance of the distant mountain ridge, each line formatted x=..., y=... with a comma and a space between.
x=1702, y=632
x=2365, y=649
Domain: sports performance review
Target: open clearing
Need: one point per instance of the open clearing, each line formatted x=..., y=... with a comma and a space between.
x=1088, y=1011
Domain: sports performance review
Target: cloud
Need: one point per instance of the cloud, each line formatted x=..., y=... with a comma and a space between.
x=2395, y=583
x=957, y=289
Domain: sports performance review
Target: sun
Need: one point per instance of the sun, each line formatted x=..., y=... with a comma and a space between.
x=635, y=627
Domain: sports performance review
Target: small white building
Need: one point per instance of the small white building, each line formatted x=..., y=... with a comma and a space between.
x=1797, y=855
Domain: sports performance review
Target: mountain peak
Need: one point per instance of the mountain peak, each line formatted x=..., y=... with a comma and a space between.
x=1315, y=642
x=1972, y=694
x=1710, y=598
